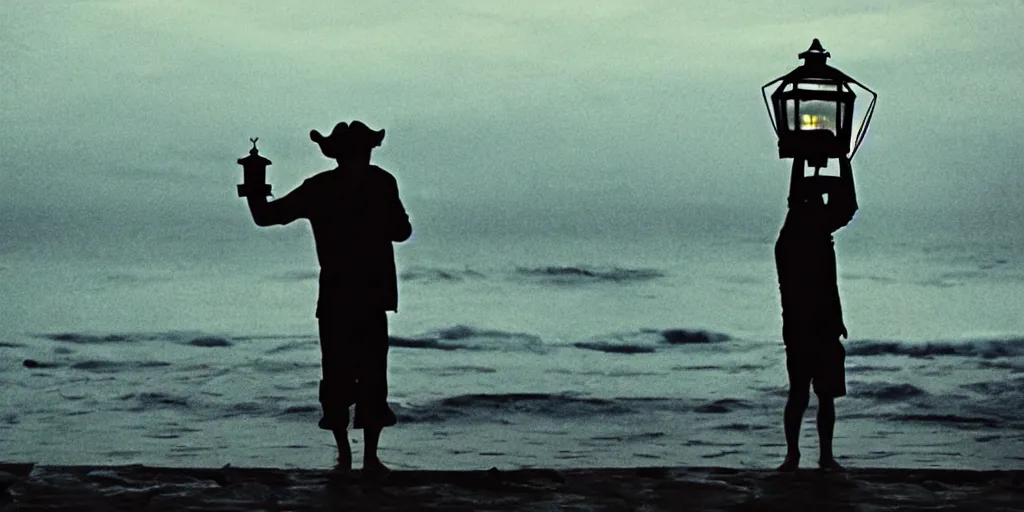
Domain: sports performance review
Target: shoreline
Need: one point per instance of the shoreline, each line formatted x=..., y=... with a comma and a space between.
x=29, y=486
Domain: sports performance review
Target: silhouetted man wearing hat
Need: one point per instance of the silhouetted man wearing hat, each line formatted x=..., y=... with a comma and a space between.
x=356, y=215
x=812, y=317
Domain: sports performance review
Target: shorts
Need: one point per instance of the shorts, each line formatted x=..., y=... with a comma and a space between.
x=821, y=365
x=354, y=352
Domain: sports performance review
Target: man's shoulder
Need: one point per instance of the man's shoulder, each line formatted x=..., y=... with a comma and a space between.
x=326, y=178
x=381, y=174
x=320, y=177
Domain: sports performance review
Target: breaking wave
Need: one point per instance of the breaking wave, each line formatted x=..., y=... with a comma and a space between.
x=987, y=349
x=492, y=407
x=464, y=337
x=615, y=348
x=100, y=366
x=647, y=341
x=431, y=274
x=184, y=338
x=573, y=275
x=147, y=401
x=554, y=274
x=295, y=275
x=209, y=341
x=690, y=336
x=483, y=407
x=883, y=391
x=455, y=337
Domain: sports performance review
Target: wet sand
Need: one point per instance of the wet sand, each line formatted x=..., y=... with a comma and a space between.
x=36, y=487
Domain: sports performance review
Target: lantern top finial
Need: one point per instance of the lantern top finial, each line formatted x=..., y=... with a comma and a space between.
x=816, y=54
x=254, y=158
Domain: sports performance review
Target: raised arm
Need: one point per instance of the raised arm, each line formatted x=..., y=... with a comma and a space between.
x=280, y=211
x=796, y=176
x=842, y=202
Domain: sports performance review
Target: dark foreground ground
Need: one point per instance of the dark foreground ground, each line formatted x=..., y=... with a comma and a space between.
x=30, y=487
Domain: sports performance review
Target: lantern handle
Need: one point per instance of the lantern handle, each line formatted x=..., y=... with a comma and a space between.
x=764, y=96
x=863, y=130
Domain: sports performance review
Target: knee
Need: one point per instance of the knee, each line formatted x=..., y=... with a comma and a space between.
x=798, y=399
x=826, y=405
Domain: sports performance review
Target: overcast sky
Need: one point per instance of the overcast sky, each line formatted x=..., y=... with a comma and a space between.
x=138, y=109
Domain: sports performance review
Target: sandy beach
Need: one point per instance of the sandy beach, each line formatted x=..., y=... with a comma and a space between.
x=36, y=487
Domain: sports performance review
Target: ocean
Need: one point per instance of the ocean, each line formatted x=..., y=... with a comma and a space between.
x=554, y=345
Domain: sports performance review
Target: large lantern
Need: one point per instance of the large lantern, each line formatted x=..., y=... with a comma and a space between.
x=812, y=110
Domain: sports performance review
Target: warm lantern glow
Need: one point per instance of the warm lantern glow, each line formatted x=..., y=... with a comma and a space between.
x=814, y=115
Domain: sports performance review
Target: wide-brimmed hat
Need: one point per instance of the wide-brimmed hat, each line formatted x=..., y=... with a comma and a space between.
x=355, y=135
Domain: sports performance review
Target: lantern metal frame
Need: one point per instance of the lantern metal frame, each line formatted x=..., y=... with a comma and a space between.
x=816, y=81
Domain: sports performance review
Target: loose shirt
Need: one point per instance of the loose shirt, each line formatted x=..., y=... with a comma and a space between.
x=356, y=215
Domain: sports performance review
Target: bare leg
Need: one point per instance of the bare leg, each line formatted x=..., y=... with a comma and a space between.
x=792, y=418
x=372, y=464
x=374, y=392
x=344, y=450
x=826, y=425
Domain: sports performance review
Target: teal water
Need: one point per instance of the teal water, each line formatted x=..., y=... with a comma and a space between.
x=572, y=348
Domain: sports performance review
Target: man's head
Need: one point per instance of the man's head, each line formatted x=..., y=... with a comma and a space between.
x=347, y=141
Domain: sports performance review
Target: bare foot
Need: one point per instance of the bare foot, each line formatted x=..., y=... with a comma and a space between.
x=343, y=465
x=830, y=464
x=375, y=468
x=791, y=464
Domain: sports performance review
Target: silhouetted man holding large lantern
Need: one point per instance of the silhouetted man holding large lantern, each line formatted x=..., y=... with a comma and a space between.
x=356, y=215
x=812, y=317
x=812, y=114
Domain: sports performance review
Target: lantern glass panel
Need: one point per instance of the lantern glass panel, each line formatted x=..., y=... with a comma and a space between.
x=790, y=114
x=813, y=115
x=818, y=115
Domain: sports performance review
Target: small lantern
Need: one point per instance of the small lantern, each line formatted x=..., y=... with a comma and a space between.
x=812, y=110
x=254, y=177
